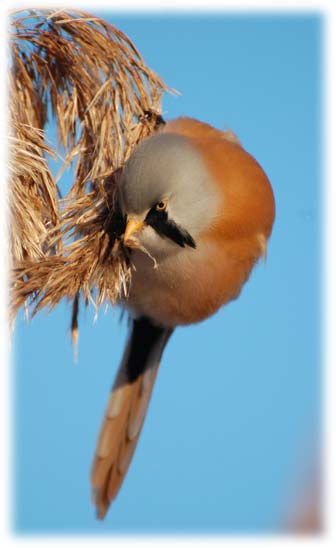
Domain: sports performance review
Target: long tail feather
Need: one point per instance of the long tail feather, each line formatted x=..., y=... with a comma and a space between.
x=126, y=410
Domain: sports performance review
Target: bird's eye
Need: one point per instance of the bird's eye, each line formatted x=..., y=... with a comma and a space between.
x=161, y=206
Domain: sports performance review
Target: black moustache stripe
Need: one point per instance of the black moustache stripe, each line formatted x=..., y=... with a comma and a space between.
x=168, y=228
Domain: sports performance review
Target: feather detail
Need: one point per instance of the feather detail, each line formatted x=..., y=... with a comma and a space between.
x=125, y=412
x=263, y=245
x=195, y=129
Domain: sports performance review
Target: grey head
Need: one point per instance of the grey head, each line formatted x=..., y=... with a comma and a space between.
x=167, y=193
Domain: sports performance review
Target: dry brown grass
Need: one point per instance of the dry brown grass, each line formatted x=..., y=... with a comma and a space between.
x=90, y=78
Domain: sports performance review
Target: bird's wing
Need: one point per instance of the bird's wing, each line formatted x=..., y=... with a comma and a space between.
x=126, y=410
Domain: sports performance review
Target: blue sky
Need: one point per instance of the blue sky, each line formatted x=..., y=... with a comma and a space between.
x=235, y=416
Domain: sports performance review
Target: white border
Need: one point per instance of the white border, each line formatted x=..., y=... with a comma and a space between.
x=328, y=282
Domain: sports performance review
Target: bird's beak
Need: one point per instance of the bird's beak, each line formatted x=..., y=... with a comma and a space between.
x=133, y=226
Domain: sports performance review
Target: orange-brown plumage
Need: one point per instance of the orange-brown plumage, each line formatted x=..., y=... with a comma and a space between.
x=247, y=208
x=247, y=196
x=118, y=437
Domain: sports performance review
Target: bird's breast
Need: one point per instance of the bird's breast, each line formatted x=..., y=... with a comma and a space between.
x=189, y=286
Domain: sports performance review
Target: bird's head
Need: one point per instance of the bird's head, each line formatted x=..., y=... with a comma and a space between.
x=166, y=194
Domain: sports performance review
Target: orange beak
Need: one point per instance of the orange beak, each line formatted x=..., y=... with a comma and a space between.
x=133, y=226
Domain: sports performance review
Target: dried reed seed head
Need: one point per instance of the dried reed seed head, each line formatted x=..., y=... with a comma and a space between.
x=90, y=77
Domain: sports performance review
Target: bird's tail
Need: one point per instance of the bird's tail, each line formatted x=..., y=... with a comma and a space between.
x=126, y=410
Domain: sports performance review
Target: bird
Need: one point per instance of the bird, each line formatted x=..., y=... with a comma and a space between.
x=198, y=210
